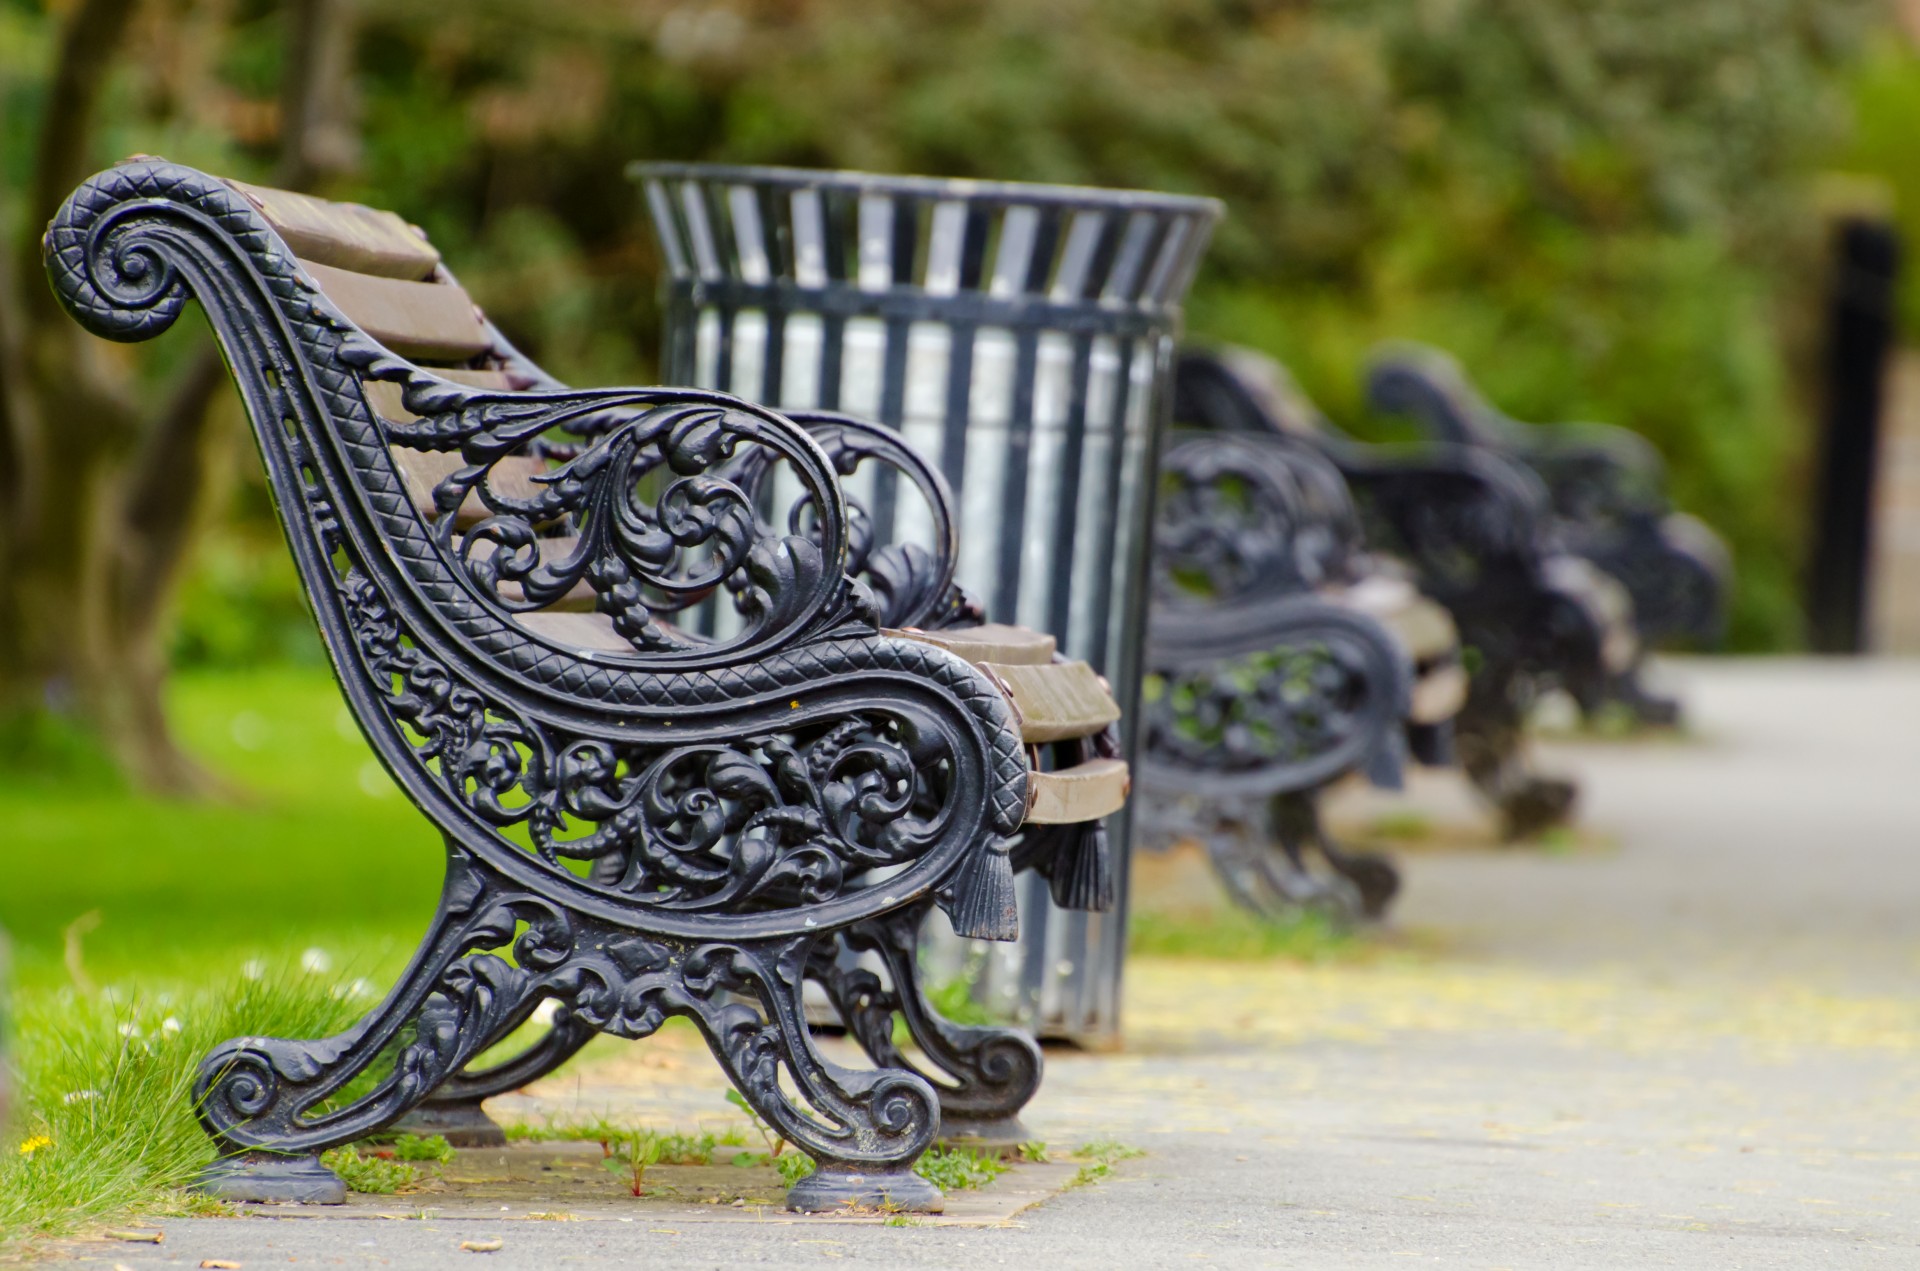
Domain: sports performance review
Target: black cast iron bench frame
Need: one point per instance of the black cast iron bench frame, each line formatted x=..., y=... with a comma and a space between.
x=1475, y=530
x=727, y=805
x=1606, y=488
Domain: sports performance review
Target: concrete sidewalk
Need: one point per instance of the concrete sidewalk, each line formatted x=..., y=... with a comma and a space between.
x=1693, y=1040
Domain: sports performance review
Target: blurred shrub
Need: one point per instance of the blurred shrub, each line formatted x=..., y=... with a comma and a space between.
x=1885, y=96
x=1599, y=204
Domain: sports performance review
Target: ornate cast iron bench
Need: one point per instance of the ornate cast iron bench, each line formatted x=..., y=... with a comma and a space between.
x=1607, y=487
x=639, y=822
x=984, y=1074
x=1474, y=530
x=1278, y=663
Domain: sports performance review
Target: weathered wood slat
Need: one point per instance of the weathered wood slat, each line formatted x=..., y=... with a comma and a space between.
x=424, y=470
x=1055, y=702
x=1439, y=694
x=579, y=597
x=576, y=630
x=349, y=236
x=1084, y=792
x=1423, y=626
x=426, y=320
x=990, y=642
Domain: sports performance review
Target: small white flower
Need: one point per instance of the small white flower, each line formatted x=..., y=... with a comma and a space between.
x=352, y=991
x=543, y=1014
x=252, y=969
x=170, y=1026
x=316, y=962
x=129, y=1030
x=72, y=1097
x=249, y=730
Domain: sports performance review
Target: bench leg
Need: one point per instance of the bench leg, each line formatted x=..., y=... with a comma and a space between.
x=1296, y=822
x=257, y=1097
x=986, y=1074
x=1265, y=871
x=454, y=1111
x=1650, y=709
x=1490, y=739
x=869, y=1126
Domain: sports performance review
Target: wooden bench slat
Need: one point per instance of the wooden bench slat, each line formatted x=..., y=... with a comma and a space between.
x=1422, y=625
x=348, y=236
x=1055, y=702
x=432, y=321
x=1084, y=792
x=578, y=630
x=990, y=642
x=579, y=597
x=388, y=399
x=1439, y=694
x=424, y=470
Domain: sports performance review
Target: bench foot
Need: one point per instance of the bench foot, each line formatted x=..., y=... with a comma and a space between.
x=984, y=1134
x=454, y=1111
x=1537, y=805
x=462, y=1123
x=984, y=1074
x=1375, y=878
x=829, y=1189
x=271, y=1179
x=1492, y=743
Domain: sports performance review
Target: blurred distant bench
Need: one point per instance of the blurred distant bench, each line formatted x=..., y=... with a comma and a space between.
x=1609, y=501
x=1280, y=661
x=1471, y=530
x=650, y=822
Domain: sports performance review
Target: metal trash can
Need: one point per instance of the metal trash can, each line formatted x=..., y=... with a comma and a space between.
x=1022, y=336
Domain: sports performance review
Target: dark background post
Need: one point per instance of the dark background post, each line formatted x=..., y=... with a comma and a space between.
x=1860, y=335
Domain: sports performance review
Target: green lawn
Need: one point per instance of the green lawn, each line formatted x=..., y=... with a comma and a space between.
x=317, y=850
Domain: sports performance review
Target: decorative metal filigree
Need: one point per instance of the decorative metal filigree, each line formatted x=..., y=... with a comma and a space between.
x=1477, y=531
x=1606, y=491
x=1258, y=688
x=732, y=796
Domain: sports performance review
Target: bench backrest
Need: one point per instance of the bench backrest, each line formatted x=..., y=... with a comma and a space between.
x=486, y=722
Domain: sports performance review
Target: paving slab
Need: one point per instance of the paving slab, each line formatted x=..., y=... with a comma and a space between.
x=1689, y=1038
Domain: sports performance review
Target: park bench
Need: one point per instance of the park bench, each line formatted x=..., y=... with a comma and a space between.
x=1473, y=529
x=1279, y=662
x=984, y=1074
x=1607, y=488
x=640, y=822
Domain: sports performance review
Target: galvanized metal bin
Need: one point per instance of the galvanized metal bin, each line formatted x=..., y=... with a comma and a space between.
x=1020, y=334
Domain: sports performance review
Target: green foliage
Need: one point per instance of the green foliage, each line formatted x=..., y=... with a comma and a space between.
x=793, y=1166
x=415, y=1147
x=371, y=1173
x=1034, y=1152
x=954, y=999
x=1885, y=97
x=1600, y=205
x=954, y=1169
x=1234, y=935
x=1100, y=1156
x=105, y=1124
x=317, y=851
x=631, y=1155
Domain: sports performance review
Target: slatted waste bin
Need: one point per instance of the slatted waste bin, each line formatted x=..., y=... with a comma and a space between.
x=1022, y=336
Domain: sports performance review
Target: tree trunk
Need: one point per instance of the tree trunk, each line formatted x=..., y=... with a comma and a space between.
x=102, y=484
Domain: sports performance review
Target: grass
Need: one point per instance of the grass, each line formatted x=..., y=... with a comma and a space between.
x=146, y=931
x=1233, y=934
x=105, y=1128
x=1100, y=1155
x=319, y=851
x=954, y=1169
